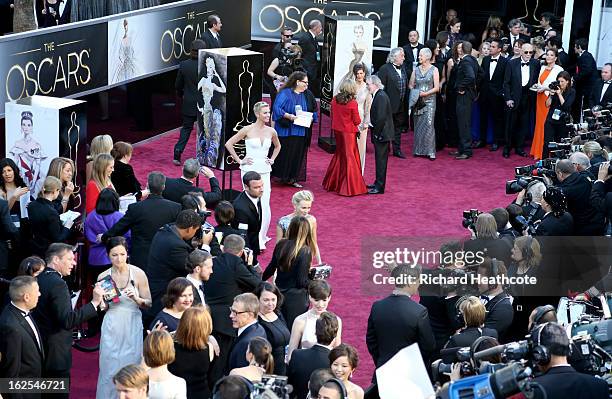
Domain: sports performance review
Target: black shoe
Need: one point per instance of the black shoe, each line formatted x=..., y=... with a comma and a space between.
x=506, y=152
x=371, y=186
x=494, y=147
x=454, y=153
x=399, y=154
x=177, y=159
x=375, y=191
x=520, y=152
x=463, y=156
x=478, y=144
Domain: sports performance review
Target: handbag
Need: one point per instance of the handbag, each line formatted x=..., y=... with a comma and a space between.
x=320, y=272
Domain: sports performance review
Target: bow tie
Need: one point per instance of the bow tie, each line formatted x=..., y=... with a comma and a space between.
x=607, y=82
x=524, y=64
x=414, y=47
x=493, y=59
x=397, y=67
x=484, y=299
x=26, y=314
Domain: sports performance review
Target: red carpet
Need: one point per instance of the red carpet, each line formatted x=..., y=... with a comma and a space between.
x=423, y=198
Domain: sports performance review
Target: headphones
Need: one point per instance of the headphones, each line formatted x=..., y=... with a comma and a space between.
x=539, y=353
x=340, y=384
x=248, y=385
x=475, y=345
x=540, y=312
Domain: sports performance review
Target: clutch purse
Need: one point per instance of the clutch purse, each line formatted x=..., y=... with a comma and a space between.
x=320, y=272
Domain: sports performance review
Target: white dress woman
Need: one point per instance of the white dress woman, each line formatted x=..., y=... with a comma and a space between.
x=208, y=143
x=28, y=155
x=258, y=138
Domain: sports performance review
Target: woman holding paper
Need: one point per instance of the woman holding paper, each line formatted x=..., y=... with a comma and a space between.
x=294, y=133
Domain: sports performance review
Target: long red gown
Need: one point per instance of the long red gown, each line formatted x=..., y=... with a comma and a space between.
x=344, y=171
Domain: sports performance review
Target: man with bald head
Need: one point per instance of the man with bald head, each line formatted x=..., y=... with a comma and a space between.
x=520, y=75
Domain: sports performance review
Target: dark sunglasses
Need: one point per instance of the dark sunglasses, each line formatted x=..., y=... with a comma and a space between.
x=528, y=52
x=288, y=35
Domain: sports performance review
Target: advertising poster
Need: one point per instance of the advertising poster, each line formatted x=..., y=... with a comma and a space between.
x=353, y=45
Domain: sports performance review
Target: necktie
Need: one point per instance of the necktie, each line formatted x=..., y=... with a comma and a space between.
x=493, y=60
x=524, y=64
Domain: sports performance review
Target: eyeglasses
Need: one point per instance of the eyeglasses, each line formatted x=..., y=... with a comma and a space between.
x=303, y=81
x=232, y=311
x=528, y=52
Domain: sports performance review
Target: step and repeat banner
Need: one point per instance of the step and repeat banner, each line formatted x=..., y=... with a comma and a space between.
x=89, y=56
x=270, y=16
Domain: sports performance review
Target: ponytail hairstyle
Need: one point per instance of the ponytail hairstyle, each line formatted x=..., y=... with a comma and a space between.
x=261, y=350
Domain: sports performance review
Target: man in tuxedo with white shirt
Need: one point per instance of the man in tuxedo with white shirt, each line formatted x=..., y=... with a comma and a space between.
x=247, y=208
x=212, y=35
x=199, y=265
x=492, y=95
x=20, y=340
x=411, y=52
x=515, y=34
x=602, y=94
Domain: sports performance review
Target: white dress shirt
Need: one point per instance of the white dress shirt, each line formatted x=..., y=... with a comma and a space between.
x=493, y=65
x=525, y=71
x=603, y=90
x=28, y=317
x=255, y=201
x=241, y=329
x=512, y=40
x=198, y=285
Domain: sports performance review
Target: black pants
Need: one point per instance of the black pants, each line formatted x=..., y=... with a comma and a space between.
x=440, y=123
x=381, y=156
x=186, y=129
x=553, y=132
x=464, y=121
x=399, y=122
x=518, y=121
x=492, y=105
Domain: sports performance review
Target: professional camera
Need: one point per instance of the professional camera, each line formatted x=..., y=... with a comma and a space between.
x=298, y=64
x=554, y=85
x=520, y=183
x=469, y=218
x=272, y=387
x=463, y=356
x=526, y=224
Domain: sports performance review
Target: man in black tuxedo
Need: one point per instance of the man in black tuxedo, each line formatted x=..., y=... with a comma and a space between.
x=54, y=314
x=186, y=86
x=465, y=86
x=585, y=77
x=247, y=208
x=395, y=78
x=602, y=94
x=304, y=361
x=497, y=302
x=492, y=96
x=211, y=35
x=169, y=251
x=144, y=218
x=311, y=53
x=382, y=131
x=411, y=52
x=177, y=187
x=397, y=321
x=20, y=339
x=8, y=231
x=555, y=43
x=559, y=379
x=230, y=277
x=521, y=74
x=243, y=314
x=199, y=265
x=514, y=34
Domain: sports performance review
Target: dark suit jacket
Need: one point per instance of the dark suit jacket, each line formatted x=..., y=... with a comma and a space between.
x=46, y=225
x=522, y=37
x=493, y=87
x=389, y=77
x=144, y=219
x=564, y=59
x=230, y=277
x=554, y=226
x=499, y=315
x=125, y=180
x=303, y=362
x=246, y=213
x=577, y=189
x=21, y=355
x=8, y=231
x=237, y=357
x=310, y=47
x=166, y=262
x=186, y=86
x=395, y=323
x=586, y=73
x=596, y=98
x=565, y=382
x=381, y=117
x=210, y=40
x=56, y=320
x=410, y=60
x=467, y=337
x=176, y=188
x=513, y=81
x=467, y=74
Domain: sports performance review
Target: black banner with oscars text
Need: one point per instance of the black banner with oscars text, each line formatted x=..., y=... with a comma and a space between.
x=269, y=16
x=327, y=64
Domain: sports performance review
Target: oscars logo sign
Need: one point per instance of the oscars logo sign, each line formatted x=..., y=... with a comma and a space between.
x=174, y=43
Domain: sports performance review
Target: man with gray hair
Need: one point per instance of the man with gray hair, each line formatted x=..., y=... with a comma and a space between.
x=243, y=314
x=381, y=120
x=311, y=53
x=514, y=26
x=394, y=76
x=176, y=188
x=582, y=163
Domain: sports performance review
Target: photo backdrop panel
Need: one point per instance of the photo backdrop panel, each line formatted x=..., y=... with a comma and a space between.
x=328, y=63
x=72, y=145
x=353, y=45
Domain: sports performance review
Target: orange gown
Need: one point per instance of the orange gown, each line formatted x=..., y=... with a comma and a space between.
x=537, y=144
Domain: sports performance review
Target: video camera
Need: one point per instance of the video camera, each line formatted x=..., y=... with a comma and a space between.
x=272, y=387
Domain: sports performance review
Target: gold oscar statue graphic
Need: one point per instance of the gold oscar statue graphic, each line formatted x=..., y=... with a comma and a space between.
x=73, y=153
x=327, y=90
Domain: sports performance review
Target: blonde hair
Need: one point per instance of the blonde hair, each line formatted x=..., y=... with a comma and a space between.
x=194, y=328
x=158, y=349
x=474, y=312
x=50, y=184
x=102, y=144
x=594, y=148
x=486, y=226
x=303, y=195
x=98, y=171
x=259, y=106
x=132, y=376
x=57, y=166
x=538, y=42
x=347, y=92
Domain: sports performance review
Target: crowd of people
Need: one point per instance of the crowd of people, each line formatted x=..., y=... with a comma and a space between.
x=187, y=309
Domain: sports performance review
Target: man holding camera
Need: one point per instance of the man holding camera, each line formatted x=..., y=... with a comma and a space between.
x=559, y=379
x=176, y=188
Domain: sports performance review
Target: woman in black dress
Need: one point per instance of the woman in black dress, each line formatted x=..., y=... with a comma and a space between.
x=178, y=298
x=270, y=318
x=452, y=130
x=193, y=351
x=291, y=261
x=123, y=176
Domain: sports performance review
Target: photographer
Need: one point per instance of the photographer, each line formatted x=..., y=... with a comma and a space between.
x=559, y=379
x=559, y=104
x=582, y=163
x=504, y=228
x=287, y=61
x=577, y=189
x=474, y=313
x=204, y=237
x=601, y=198
x=530, y=200
x=487, y=239
x=596, y=155
x=497, y=302
x=556, y=220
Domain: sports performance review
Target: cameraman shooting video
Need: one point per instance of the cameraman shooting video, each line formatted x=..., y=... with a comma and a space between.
x=487, y=239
